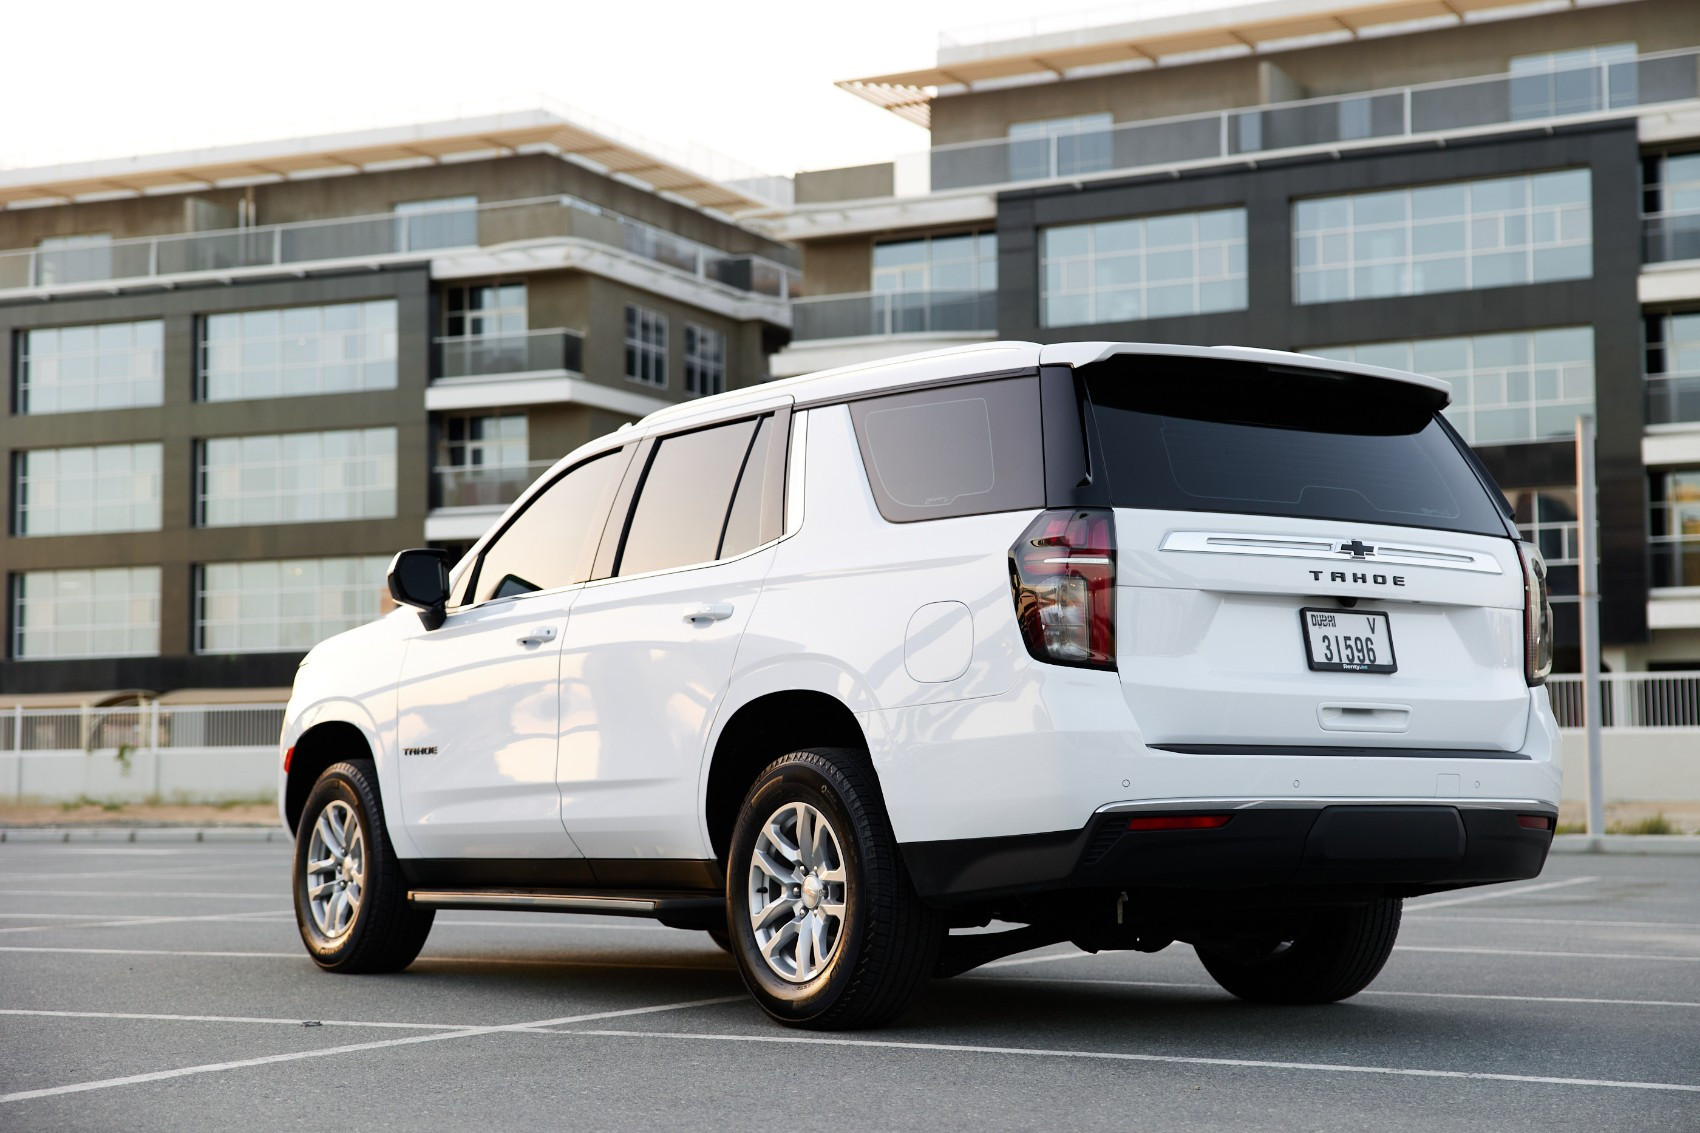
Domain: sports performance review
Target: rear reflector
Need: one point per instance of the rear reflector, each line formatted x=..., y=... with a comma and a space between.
x=1179, y=822
x=1534, y=822
x=287, y=756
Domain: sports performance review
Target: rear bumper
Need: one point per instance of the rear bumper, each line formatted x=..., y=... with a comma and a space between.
x=1397, y=846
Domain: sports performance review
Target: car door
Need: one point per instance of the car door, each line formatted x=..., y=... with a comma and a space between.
x=650, y=649
x=478, y=716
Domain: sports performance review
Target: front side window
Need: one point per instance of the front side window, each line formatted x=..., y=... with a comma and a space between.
x=1151, y=267
x=76, y=369
x=58, y=614
x=1675, y=527
x=646, y=346
x=1059, y=147
x=1506, y=388
x=961, y=450
x=1464, y=236
x=285, y=606
x=552, y=543
x=297, y=477
x=339, y=348
x=73, y=259
x=680, y=517
x=83, y=491
x=705, y=361
x=443, y=222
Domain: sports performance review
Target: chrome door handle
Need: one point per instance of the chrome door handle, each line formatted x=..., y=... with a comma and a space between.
x=538, y=636
x=711, y=613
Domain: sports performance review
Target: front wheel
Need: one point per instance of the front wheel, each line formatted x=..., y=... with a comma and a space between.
x=825, y=925
x=350, y=897
x=1333, y=956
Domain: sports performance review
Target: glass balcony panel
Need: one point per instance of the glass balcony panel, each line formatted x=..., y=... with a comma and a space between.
x=527, y=352
x=489, y=485
x=870, y=314
x=1673, y=398
x=1676, y=562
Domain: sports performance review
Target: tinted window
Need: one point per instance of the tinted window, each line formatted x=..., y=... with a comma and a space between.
x=681, y=509
x=758, y=508
x=553, y=541
x=1184, y=436
x=960, y=450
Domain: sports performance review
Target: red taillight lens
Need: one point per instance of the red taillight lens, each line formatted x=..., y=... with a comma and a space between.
x=1063, y=572
x=1179, y=822
x=287, y=756
x=1534, y=822
x=1537, y=615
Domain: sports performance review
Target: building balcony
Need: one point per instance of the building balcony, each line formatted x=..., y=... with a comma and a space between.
x=536, y=367
x=499, y=355
x=1675, y=561
x=386, y=238
x=884, y=313
x=1673, y=399
x=489, y=486
x=1478, y=105
x=1670, y=236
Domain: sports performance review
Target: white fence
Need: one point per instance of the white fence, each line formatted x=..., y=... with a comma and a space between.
x=1632, y=700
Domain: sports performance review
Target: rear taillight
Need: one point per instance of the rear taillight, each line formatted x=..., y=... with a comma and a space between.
x=1179, y=822
x=1063, y=572
x=1537, y=615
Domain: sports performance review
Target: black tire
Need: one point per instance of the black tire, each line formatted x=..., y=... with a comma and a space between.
x=385, y=931
x=887, y=941
x=721, y=938
x=1331, y=958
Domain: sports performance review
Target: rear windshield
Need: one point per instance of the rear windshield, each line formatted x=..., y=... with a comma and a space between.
x=1187, y=435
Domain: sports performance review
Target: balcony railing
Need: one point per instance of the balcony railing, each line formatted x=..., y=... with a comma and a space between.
x=396, y=236
x=1458, y=105
x=1675, y=560
x=1673, y=398
x=524, y=352
x=482, y=485
x=869, y=313
x=1671, y=234
x=1631, y=700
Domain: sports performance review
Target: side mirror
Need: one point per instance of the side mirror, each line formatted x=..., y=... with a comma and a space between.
x=420, y=578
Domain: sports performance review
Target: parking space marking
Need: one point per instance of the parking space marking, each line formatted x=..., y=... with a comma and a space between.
x=792, y=1038
x=1370, y=991
x=1532, y=952
x=1495, y=894
x=354, y=1048
x=231, y=1019
x=200, y=894
x=425, y=960
x=1556, y=921
x=130, y=921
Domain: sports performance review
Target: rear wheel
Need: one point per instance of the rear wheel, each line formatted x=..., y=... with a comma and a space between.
x=1335, y=955
x=350, y=897
x=826, y=928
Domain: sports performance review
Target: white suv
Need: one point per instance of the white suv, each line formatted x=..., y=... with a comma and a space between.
x=1122, y=644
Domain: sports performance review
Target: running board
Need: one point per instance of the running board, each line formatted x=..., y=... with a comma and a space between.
x=679, y=910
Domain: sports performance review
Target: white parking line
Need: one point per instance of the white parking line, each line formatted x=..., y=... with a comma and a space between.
x=1534, y=952
x=200, y=894
x=232, y=1019
x=1496, y=894
x=299, y=1055
x=1372, y=991
x=128, y=922
x=518, y=961
x=1556, y=921
x=792, y=1038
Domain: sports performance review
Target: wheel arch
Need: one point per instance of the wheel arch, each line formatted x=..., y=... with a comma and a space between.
x=325, y=743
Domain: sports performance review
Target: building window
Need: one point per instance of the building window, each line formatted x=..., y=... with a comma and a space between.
x=297, y=478
x=482, y=459
x=298, y=350
x=1457, y=237
x=1546, y=517
x=445, y=222
x=85, y=613
x=1670, y=203
x=1059, y=147
x=75, y=369
x=73, y=259
x=482, y=309
x=935, y=283
x=705, y=361
x=1506, y=388
x=288, y=606
x=1673, y=368
x=646, y=346
x=83, y=491
x=1551, y=83
x=1675, y=527
x=1144, y=268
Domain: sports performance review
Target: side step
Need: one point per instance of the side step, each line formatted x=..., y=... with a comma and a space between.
x=677, y=910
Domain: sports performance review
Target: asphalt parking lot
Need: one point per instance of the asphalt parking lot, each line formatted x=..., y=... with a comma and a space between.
x=164, y=987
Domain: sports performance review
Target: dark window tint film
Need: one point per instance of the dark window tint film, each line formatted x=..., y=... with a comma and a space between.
x=553, y=541
x=681, y=509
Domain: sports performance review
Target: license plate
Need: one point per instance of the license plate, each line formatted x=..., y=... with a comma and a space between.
x=1348, y=641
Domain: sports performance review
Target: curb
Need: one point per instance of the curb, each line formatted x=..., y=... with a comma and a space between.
x=1626, y=844
x=248, y=834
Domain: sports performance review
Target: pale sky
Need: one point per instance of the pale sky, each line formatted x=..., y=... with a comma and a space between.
x=752, y=79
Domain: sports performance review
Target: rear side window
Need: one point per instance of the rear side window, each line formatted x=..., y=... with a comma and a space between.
x=553, y=541
x=706, y=495
x=958, y=450
x=1190, y=435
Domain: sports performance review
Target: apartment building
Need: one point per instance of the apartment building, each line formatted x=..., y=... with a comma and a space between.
x=239, y=379
x=1503, y=194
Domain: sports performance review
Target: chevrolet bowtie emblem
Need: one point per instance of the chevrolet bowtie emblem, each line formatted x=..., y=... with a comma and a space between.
x=1356, y=549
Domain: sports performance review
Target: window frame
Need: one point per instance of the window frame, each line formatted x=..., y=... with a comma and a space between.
x=637, y=350
x=700, y=366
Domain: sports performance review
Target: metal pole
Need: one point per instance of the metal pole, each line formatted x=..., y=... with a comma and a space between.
x=1590, y=611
